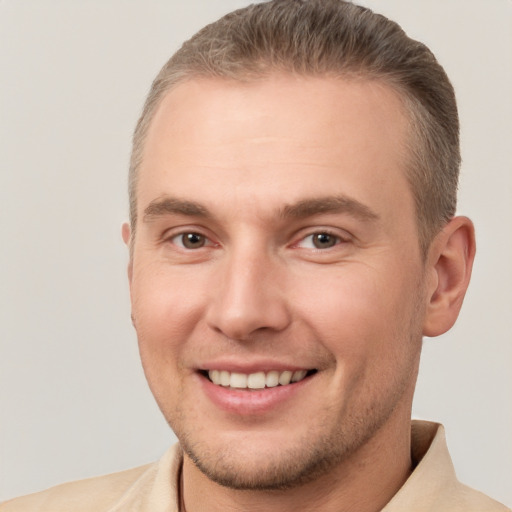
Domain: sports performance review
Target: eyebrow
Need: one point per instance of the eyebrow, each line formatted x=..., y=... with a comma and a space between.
x=301, y=209
x=174, y=206
x=329, y=204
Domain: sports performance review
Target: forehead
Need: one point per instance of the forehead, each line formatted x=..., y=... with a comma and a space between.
x=280, y=134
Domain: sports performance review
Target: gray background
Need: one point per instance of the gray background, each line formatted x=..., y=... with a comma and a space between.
x=73, y=400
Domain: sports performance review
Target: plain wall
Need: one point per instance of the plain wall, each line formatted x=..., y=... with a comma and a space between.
x=73, y=399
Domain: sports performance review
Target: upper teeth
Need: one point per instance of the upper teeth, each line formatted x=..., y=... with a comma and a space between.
x=258, y=380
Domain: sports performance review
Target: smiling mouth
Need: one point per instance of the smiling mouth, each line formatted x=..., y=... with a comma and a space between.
x=257, y=380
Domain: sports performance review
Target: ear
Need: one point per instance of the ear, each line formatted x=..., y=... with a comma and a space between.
x=126, y=234
x=449, y=261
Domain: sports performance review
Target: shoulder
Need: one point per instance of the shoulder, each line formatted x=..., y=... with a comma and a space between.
x=433, y=484
x=466, y=499
x=98, y=494
x=150, y=487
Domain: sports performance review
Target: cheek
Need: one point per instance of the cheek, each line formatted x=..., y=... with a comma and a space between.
x=164, y=316
x=166, y=310
x=367, y=325
x=360, y=313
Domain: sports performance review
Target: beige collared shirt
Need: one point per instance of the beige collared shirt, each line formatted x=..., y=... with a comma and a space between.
x=431, y=487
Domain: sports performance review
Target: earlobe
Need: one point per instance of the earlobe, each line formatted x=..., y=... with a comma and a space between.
x=450, y=261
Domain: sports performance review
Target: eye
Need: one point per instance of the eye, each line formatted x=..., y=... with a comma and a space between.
x=320, y=240
x=190, y=240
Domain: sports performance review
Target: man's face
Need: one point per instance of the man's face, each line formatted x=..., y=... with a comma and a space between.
x=276, y=237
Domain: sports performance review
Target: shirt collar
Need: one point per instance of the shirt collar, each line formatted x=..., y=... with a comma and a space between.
x=433, y=478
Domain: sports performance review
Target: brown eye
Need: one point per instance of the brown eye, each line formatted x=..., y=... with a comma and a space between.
x=192, y=240
x=324, y=240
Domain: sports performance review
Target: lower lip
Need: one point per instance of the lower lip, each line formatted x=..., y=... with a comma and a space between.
x=251, y=402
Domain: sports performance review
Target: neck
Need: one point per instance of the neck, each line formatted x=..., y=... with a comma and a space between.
x=365, y=482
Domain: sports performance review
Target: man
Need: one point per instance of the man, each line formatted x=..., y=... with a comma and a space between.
x=292, y=237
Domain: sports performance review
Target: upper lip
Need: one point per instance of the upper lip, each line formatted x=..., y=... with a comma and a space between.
x=251, y=366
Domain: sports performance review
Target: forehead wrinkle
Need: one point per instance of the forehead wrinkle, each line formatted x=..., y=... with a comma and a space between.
x=172, y=205
x=328, y=204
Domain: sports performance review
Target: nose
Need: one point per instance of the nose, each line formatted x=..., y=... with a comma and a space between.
x=249, y=297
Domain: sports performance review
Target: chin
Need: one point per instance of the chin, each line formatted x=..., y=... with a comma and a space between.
x=272, y=461
x=271, y=471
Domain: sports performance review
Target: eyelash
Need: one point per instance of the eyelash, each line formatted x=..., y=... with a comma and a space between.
x=182, y=244
x=178, y=239
x=338, y=239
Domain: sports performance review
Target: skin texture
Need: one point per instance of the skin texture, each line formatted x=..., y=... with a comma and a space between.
x=245, y=167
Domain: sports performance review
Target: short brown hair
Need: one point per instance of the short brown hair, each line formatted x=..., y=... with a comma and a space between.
x=332, y=38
